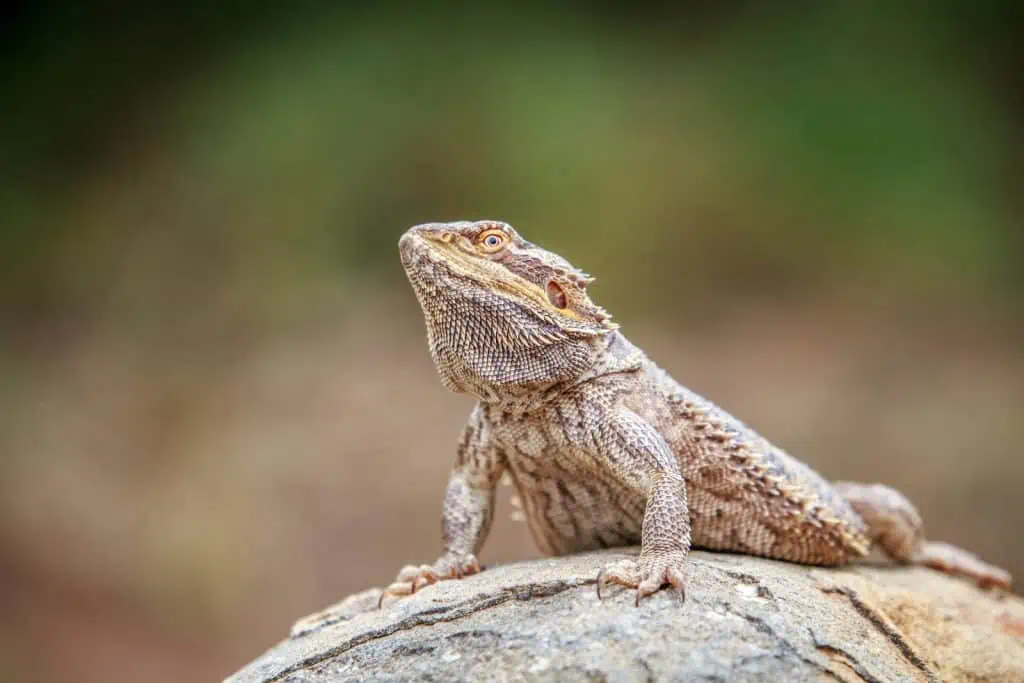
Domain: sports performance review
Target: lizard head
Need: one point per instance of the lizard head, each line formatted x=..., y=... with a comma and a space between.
x=501, y=312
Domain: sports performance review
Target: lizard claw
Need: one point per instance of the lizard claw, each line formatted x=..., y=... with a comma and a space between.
x=647, y=574
x=412, y=578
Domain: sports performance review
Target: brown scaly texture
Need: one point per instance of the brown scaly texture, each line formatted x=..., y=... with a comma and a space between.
x=603, y=446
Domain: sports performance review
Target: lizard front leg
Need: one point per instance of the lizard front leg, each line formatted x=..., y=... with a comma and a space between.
x=636, y=453
x=467, y=513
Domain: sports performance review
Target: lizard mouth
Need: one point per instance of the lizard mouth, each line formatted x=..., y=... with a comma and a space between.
x=412, y=249
x=421, y=245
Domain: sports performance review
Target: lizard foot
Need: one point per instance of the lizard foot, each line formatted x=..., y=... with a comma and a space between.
x=412, y=578
x=957, y=561
x=647, y=573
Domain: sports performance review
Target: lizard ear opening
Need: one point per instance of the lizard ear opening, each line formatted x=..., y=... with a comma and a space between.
x=556, y=295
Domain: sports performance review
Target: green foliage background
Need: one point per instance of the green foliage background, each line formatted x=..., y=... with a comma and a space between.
x=762, y=150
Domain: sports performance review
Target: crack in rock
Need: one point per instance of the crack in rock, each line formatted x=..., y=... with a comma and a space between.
x=435, y=615
x=886, y=628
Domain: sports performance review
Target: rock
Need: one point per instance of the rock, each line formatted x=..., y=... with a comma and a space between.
x=745, y=619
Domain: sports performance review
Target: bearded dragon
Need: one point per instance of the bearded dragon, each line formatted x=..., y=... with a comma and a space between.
x=605, y=448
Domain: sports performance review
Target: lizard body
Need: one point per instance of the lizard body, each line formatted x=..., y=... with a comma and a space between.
x=604, y=447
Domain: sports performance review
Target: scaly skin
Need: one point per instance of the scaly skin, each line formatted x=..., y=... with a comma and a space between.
x=604, y=447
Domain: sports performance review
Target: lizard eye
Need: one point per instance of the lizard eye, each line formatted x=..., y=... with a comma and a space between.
x=493, y=240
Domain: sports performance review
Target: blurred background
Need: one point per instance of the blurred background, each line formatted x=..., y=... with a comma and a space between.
x=217, y=409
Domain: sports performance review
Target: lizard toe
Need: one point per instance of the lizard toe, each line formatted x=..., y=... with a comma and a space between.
x=659, y=570
x=958, y=562
x=412, y=578
x=623, y=573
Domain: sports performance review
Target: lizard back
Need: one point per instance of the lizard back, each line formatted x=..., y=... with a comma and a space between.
x=745, y=494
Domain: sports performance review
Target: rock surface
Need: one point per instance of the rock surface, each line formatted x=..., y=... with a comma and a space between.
x=745, y=619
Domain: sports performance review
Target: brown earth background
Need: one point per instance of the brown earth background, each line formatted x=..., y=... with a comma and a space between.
x=217, y=410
